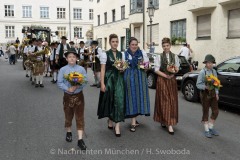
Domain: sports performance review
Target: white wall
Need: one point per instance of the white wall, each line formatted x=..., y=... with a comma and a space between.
x=18, y=21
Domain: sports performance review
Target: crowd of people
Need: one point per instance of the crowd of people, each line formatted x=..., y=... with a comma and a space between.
x=123, y=93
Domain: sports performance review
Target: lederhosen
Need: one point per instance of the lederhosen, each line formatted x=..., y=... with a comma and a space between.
x=38, y=64
x=54, y=66
x=208, y=99
x=96, y=67
x=83, y=62
x=74, y=105
x=62, y=61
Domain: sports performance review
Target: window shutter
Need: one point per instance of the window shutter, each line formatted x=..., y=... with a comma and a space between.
x=234, y=23
x=204, y=26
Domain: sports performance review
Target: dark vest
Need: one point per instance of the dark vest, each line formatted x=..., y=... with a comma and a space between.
x=164, y=61
x=54, y=54
x=96, y=53
x=61, y=52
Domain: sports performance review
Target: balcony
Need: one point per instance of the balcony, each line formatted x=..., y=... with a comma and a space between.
x=226, y=2
x=136, y=18
x=199, y=5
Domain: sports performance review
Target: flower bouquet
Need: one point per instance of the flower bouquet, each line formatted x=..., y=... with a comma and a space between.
x=144, y=65
x=120, y=65
x=171, y=68
x=213, y=83
x=75, y=78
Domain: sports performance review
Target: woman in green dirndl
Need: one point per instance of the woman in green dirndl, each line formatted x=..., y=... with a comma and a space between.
x=111, y=100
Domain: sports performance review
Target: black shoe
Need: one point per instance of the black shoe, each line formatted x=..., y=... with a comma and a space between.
x=36, y=85
x=52, y=80
x=27, y=75
x=55, y=81
x=172, y=133
x=41, y=85
x=163, y=126
x=69, y=137
x=81, y=144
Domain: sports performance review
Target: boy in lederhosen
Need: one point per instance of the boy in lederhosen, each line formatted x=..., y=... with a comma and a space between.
x=209, y=98
x=73, y=99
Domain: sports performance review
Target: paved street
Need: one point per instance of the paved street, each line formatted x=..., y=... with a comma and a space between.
x=32, y=127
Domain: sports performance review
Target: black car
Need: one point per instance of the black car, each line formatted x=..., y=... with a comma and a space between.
x=185, y=67
x=229, y=75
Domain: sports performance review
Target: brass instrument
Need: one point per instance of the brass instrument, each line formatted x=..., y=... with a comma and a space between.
x=45, y=51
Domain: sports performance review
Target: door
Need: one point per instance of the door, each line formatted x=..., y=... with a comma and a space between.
x=229, y=75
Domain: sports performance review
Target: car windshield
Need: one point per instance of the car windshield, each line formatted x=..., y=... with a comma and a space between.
x=232, y=65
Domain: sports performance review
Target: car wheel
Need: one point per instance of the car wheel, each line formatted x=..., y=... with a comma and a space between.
x=190, y=91
x=151, y=80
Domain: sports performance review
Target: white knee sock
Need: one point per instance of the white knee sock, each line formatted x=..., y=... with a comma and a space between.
x=206, y=126
x=41, y=79
x=37, y=79
x=54, y=76
x=210, y=125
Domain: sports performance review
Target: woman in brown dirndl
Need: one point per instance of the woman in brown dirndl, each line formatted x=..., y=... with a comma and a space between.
x=166, y=102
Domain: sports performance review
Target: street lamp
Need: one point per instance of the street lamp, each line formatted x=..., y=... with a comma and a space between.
x=151, y=11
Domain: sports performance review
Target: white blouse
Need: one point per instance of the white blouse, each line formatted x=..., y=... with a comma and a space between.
x=157, y=61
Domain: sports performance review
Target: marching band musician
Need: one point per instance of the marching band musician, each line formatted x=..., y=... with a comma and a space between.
x=62, y=47
x=96, y=67
x=53, y=65
x=25, y=55
x=84, y=55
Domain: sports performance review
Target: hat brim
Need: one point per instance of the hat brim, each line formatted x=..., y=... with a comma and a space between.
x=204, y=62
x=68, y=52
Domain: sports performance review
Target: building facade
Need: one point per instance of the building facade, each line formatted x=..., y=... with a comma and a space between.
x=71, y=18
x=208, y=26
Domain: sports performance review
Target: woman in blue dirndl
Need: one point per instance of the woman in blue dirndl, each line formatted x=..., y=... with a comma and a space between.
x=136, y=87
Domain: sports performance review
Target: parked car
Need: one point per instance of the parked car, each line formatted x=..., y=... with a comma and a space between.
x=228, y=73
x=152, y=76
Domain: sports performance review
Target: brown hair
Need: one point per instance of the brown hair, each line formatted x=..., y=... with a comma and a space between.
x=132, y=39
x=166, y=40
x=112, y=36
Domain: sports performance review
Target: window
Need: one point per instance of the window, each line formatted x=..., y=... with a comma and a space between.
x=155, y=3
x=44, y=12
x=178, y=28
x=62, y=31
x=234, y=23
x=90, y=14
x=136, y=6
x=78, y=32
x=9, y=10
x=10, y=31
x=77, y=13
x=123, y=12
x=204, y=26
x=155, y=33
x=113, y=15
x=105, y=18
x=137, y=33
x=232, y=65
x=98, y=20
x=61, y=13
x=27, y=11
x=177, y=1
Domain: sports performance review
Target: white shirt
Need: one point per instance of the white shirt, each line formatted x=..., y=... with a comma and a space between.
x=157, y=61
x=100, y=53
x=31, y=48
x=12, y=50
x=184, y=52
x=52, y=54
x=64, y=49
x=25, y=50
